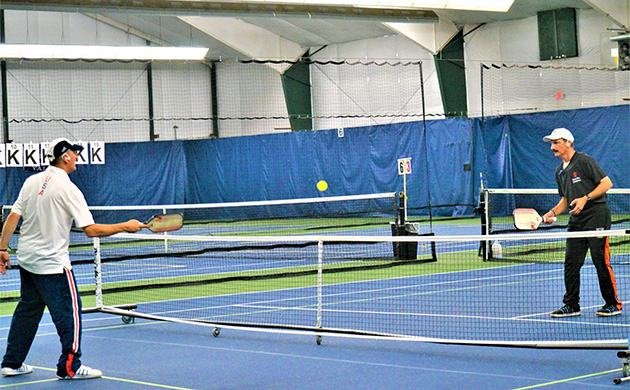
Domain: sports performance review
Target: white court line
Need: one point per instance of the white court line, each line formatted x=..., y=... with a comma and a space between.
x=256, y=305
x=353, y=293
x=448, y=316
x=364, y=282
x=105, y=317
x=371, y=291
x=315, y=358
x=264, y=309
x=547, y=313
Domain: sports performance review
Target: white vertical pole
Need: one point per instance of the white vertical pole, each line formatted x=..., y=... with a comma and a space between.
x=320, y=255
x=486, y=199
x=165, y=238
x=405, y=192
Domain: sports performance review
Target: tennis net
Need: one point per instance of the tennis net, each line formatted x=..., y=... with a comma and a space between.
x=353, y=286
x=366, y=214
x=497, y=206
x=333, y=215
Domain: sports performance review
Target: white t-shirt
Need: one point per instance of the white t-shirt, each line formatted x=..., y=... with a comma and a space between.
x=48, y=203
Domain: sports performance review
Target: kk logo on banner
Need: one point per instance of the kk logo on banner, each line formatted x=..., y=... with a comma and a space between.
x=32, y=155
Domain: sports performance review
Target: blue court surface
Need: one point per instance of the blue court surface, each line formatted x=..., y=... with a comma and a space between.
x=502, y=302
x=161, y=355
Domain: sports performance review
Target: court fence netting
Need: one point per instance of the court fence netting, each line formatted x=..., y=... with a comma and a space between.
x=113, y=101
x=497, y=205
x=508, y=89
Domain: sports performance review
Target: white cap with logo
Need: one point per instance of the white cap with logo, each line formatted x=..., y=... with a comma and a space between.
x=60, y=146
x=559, y=133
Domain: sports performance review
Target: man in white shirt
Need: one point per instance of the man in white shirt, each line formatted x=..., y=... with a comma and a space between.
x=48, y=203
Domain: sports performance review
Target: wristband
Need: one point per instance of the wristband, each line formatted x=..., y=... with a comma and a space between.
x=554, y=213
x=588, y=198
x=4, y=250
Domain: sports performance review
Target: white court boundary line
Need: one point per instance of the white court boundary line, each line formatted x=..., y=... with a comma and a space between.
x=312, y=307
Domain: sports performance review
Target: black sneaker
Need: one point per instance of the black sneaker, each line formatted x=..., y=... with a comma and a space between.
x=608, y=311
x=566, y=311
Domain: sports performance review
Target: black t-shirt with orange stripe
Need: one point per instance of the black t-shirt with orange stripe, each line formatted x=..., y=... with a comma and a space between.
x=579, y=178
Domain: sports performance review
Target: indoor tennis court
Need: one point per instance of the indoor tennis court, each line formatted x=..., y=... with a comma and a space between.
x=337, y=195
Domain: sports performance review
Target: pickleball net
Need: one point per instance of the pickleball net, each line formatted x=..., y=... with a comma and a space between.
x=355, y=286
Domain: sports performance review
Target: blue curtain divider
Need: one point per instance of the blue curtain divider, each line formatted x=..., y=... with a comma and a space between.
x=517, y=157
x=447, y=158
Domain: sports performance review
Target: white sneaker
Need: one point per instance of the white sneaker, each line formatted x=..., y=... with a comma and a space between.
x=84, y=372
x=24, y=369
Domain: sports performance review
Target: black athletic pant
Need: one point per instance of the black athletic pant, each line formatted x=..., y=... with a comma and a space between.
x=596, y=217
x=60, y=293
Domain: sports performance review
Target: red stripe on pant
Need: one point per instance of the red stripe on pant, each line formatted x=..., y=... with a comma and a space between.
x=611, y=273
x=75, y=310
x=69, y=364
x=76, y=322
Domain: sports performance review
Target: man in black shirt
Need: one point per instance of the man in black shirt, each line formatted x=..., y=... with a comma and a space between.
x=582, y=184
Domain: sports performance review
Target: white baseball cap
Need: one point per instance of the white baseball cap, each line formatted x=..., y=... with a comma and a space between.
x=559, y=133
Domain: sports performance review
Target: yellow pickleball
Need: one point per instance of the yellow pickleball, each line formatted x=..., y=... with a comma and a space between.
x=322, y=185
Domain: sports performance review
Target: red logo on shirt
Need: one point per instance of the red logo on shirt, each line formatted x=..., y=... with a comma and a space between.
x=574, y=174
x=46, y=180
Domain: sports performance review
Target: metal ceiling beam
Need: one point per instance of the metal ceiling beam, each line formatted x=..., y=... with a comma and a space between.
x=232, y=9
x=616, y=10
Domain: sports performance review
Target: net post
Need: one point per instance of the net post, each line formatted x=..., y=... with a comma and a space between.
x=320, y=255
x=402, y=213
x=485, y=225
x=404, y=199
x=482, y=208
x=98, y=276
x=396, y=220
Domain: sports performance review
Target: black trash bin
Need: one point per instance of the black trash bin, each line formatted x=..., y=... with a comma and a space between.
x=405, y=250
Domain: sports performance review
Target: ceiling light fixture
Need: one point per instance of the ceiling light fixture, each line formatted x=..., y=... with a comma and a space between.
x=84, y=52
x=470, y=5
